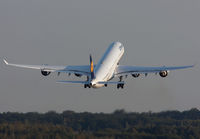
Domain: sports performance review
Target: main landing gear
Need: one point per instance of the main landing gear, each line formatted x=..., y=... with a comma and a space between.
x=120, y=86
x=86, y=85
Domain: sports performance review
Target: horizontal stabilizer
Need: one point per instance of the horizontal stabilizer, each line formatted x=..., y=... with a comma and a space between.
x=110, y=83
x=76, y=82
x=86, y=82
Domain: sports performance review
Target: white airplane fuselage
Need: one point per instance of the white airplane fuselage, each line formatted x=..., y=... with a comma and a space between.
x=104, y=70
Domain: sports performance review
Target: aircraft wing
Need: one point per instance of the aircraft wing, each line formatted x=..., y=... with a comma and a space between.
x=125, y=70
x=79, y=69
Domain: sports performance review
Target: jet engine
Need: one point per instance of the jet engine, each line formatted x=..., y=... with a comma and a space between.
x=78, y=75
x=136, y=75
x=45, y=73
x=163, y=73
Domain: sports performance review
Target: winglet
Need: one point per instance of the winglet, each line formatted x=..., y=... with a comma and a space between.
x=196, y=63
x=5, y=61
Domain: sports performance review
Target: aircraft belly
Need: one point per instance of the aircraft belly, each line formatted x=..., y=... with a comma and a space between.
x=97, y=85
x=105, y=69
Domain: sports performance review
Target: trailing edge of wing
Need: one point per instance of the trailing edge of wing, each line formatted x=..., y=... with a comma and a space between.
x=82, y=72
x=41, y=67
x=79, y=69
x=22, y=66
x=134, y=69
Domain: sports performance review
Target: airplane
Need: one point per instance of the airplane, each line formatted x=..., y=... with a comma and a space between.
x=106, y=69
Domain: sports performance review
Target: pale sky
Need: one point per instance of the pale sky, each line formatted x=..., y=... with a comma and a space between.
x=65, y=32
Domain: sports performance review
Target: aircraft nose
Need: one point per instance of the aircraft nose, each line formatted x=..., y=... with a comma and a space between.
x=118, y=43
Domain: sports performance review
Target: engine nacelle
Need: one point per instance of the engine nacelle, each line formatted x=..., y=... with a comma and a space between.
x=136, y=75
x=78, y=75
x=163, y=73
x=45, y=73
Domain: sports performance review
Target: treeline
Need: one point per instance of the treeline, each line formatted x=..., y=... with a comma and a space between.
x=119, y=124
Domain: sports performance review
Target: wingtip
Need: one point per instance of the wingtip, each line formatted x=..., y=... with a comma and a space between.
x=4, y=60
x=195, y=64
x=59, y=81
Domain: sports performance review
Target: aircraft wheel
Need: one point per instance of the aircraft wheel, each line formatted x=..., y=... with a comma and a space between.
x=87, y=86
x=120, y=86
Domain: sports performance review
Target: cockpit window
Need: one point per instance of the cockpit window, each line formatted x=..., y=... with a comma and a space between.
x=120, y=48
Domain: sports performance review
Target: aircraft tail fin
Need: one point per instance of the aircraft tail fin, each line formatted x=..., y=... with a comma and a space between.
x=91, y=67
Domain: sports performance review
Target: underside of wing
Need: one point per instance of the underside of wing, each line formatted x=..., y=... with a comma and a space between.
x=41, y=67
x=125, y=70
x=77, y=69
x=81, y=69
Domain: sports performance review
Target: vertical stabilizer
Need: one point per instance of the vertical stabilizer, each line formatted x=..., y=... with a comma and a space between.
x=91, y=68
